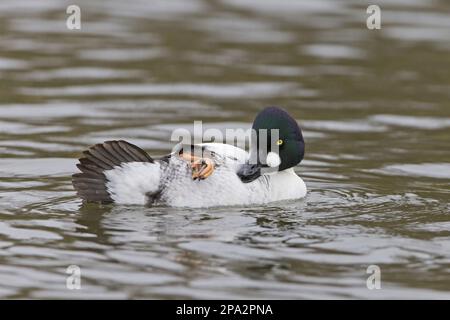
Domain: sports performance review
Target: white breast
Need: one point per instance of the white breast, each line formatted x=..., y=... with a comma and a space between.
x=286, y=185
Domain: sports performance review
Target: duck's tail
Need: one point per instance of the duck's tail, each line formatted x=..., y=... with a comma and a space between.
x=105, y=162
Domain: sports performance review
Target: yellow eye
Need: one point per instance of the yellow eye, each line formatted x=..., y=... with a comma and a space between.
x=279, y=142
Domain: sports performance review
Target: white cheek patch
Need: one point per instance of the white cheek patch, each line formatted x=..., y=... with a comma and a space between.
x=273, y=160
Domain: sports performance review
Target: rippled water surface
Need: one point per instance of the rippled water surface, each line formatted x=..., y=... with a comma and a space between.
x=374, y=107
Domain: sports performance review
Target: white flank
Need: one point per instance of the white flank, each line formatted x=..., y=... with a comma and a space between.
x=130, y=182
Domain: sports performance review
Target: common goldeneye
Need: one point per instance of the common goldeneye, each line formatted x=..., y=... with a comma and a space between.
x=201, y=175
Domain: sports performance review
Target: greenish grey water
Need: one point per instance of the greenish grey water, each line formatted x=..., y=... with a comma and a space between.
x=374, y=106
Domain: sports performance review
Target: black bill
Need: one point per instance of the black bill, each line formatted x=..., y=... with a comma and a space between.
x=249, y=172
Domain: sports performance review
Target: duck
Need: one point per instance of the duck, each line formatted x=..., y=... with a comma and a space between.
x=209, y=174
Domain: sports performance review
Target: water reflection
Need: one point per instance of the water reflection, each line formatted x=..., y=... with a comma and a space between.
x=373, y=105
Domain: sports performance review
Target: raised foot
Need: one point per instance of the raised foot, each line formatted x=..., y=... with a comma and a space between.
x=202, y=168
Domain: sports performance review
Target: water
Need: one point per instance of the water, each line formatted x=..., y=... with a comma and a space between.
x=374, y=106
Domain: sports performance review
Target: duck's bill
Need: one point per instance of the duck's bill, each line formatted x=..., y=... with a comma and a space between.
x=249, y=172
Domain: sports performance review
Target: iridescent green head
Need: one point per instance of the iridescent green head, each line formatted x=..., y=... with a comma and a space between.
x=277, y=144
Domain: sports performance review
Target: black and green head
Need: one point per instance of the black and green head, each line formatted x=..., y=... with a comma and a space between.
x=277, y=144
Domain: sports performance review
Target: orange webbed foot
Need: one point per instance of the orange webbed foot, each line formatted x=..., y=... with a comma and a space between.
x=202, y=168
